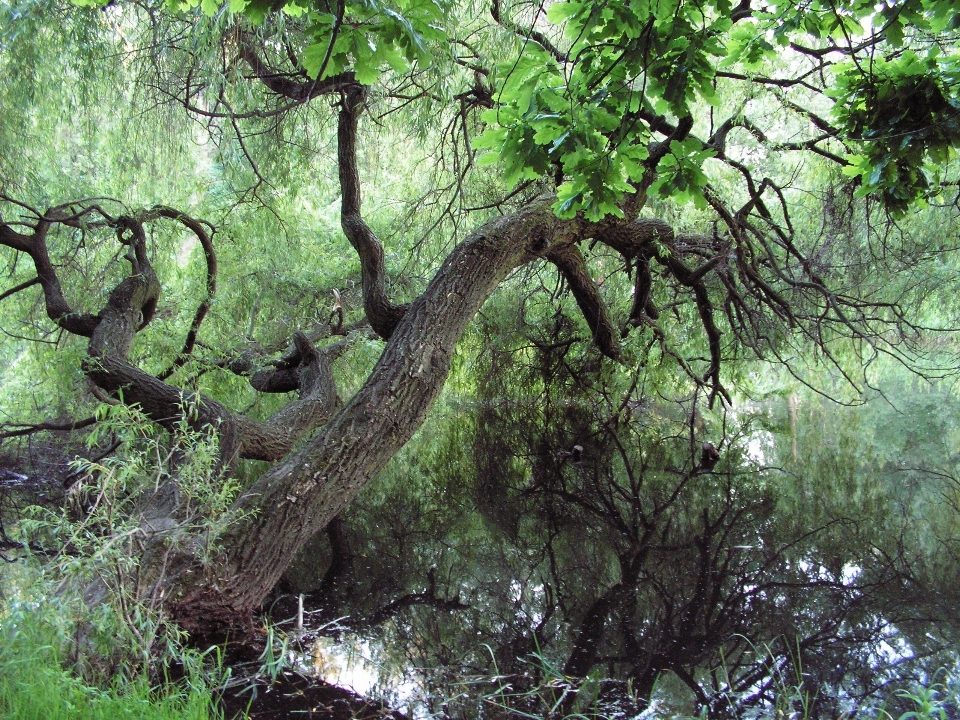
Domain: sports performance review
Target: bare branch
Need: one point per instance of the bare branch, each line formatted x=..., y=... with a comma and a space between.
x=210, y=256
x=35, y=246
x=18, y=288
x=571, y=264
x=382, y=314
x=29, y=429
x=526, y=34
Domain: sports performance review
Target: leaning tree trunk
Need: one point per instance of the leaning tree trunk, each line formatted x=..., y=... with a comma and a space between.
x=301, y=494
x=307, y=488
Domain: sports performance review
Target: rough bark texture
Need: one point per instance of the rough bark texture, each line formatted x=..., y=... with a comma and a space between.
x=382, y=314
x=301, y=494
x=571, y=264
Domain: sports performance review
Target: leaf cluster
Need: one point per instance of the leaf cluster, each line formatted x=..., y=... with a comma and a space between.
x=907, y=113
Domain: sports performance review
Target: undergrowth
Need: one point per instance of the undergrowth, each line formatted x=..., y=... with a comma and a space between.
x=78, y=637
x=39, y=681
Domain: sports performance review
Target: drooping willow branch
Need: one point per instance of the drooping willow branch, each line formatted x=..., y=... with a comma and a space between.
x=210, y=257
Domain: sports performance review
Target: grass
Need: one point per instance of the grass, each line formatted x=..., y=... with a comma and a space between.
x=36, y=683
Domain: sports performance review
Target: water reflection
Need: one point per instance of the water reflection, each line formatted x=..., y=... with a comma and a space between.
x=515, y=581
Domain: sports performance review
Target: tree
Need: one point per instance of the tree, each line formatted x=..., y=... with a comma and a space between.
x=600, y=118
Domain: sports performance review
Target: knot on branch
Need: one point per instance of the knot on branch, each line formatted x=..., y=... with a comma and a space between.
x=353, y=98
x=130, y=232
x=246, y=362
x=304, y=369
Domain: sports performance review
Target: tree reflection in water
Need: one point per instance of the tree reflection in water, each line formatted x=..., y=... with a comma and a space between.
x=571, y=535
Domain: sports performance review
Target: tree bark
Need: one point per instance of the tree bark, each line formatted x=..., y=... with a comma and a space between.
x=301, y=494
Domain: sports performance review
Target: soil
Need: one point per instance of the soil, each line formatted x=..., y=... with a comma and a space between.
x=293, y=695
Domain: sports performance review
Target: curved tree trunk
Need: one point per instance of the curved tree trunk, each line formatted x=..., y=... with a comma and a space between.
x=301, y=494
x=298, y=496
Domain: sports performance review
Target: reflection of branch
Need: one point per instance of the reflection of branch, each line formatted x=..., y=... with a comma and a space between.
x=341, y=566
x=429, y=597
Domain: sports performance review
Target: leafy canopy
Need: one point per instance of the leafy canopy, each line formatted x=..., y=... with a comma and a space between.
x=585, y=94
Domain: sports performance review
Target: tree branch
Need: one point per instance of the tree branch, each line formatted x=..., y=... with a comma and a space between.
x=29, y=429
x=22, y=286
x=35, y=246
x=211, y=259
x=571, y=264
x=301, y=91
x=526, y=34
x=382, y=314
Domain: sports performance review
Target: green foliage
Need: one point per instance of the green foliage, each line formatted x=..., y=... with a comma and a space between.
x=582, y=117
x=680, y=173
x=482, y=495
x=907, y=110
x=97, y=541
x=77, y=637
x=36, y=682
x=930, y=702
x=360, y=37
x=586, y=109
x=274, y=657
x=101, y=542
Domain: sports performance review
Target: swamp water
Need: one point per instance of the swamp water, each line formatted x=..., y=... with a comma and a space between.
x=810, y=572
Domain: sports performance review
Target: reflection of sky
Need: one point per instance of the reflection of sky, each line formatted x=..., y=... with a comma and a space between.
x=758, y=446
x=352, y=664
x=375, y=667
x=369, y=667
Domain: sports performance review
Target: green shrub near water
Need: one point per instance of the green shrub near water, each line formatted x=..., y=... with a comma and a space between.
x=61, y=657
x=37, y=682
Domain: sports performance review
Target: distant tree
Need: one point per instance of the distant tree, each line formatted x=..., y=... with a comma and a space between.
x=598, y=117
